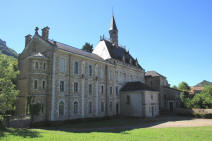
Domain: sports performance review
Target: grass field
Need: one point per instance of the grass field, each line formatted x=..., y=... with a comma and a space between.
x=142, y=134
x=107, y=131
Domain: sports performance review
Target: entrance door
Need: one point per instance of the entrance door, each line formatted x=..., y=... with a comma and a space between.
x=117, y=108
x=152, y=111
x=171, y=107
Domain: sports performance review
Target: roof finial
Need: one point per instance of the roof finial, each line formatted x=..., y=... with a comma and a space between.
x=112, y=12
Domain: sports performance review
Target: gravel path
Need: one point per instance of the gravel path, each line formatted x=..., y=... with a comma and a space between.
x=185, y=123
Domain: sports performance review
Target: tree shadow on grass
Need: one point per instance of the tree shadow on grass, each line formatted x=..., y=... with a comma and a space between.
x=22, y=132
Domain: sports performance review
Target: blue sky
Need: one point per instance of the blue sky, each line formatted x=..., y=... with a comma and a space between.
x=173, y=37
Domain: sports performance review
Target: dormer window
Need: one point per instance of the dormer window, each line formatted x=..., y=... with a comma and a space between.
x=123, y=58
x=130, y=61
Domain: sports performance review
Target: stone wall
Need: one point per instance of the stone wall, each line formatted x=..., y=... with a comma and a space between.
x=139, y=103
x=183, y=111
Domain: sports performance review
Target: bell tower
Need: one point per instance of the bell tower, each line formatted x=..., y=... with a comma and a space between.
x=113, y=31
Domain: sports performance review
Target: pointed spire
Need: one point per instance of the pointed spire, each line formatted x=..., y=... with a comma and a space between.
x=113, y=24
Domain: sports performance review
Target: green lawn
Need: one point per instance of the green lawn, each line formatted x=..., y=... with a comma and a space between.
x=141, y=134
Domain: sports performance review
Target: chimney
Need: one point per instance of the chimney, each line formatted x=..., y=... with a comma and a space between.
x=45, y=33
x=27, y=39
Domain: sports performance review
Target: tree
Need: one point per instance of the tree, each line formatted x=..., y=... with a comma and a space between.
x=185, y=100
x=184, y=86
x=203, y=99
x=87, y=47
x=8, y=92
x=174, y=87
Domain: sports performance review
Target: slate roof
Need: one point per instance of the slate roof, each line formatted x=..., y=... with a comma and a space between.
x=113, y=24
x=153, y=74
x=76, y=50
x=118, y=53
x=135, y=86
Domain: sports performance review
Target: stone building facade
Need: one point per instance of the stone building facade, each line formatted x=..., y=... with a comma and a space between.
x=70, y=83
x=139, y=100
x=169, y=98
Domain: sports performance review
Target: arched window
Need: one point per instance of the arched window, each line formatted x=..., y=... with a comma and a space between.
x=76, y=68
x=61, y=108
x=75, y=107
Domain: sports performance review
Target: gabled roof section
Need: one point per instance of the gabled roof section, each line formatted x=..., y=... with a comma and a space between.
x=135, y=86
x=153, y=74
x=113, y=24
x=76, y=50
x=118, y=53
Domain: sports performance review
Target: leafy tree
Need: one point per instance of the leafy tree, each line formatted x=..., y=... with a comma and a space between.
x=8, y=92
x=174, y=86
x=203, y=99
x=87, y=47
x=185, y=100
x=183, y=86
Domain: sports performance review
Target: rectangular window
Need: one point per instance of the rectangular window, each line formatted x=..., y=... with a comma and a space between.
x=117, y=90
x=41, y=65
x=90, y=70
x=36, y=65
x=76, y=68
x=35, y=84
x=44, y=84
x=151, y=97
x=102, y=72
x=42, y=109
x=102, y=89
x=111, y=90
x=90, y=107
x=111, y=106
x=75, y=87
x=102, y=107
x=90, y=89
x=125, y=77
x=62, y=64
x=111, y=75
x=116, y=73
x=61, y=86
x=128, y=99
x=44, y=66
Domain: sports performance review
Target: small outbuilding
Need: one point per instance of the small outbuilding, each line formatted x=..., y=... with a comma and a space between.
x=139, y=100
